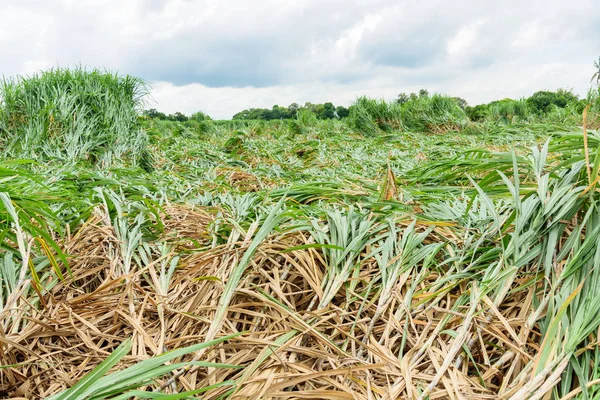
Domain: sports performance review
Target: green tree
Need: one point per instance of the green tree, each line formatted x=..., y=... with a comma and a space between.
x=200, y=116
x=541, y=102
x=327, y=111
x=323, y=111
x=342, y=112
x=153, y=113
x=402, y=98
x=177, y=116
x=293, y=109
x=276, y=112
x=462, y=103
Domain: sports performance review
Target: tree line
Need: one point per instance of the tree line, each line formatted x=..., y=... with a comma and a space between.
x=540, y=103
x=322, y=111
x=177, y=116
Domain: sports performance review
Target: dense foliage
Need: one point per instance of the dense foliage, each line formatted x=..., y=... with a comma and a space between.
x=360, y=258
x=539, y=106
x=72, y=115
x=422, y=113
x=322, y=111
x=177, y=116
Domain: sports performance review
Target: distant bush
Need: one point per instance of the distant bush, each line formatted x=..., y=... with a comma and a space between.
x=561, y=105
x=154, y=113
x=342, y=112
x=542, y=102
x=477, y=113
x=74, y=115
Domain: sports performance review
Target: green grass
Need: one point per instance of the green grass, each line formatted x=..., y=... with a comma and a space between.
x=73, y=115
x=257, y=247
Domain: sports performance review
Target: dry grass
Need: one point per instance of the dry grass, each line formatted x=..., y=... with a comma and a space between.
x=288, y=351
x=241, y=180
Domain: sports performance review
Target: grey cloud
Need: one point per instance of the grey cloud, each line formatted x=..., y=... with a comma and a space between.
x=226, y=64
x=407, y=52
x=270, y=49
x=380, y=46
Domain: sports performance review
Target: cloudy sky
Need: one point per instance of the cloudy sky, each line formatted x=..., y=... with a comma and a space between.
x=225, y=56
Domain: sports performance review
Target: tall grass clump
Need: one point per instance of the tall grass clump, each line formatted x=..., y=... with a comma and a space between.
x=73, y=115
x=370, y=116
x=304, y=121
x=509, y=111
x=571, y=114
x=593, y=113
x=436, y=113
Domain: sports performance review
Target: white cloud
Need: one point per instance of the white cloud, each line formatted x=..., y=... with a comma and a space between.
x=529, y=35
x=224, y=56
x=35, y=66
x=498, y=82
x=464, y=39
